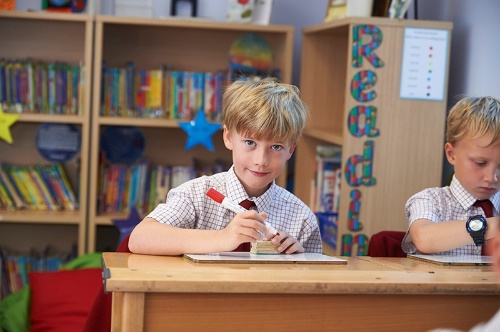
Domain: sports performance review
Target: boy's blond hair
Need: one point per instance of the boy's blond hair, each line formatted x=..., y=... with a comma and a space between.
x=474, y=116
x=265, y=109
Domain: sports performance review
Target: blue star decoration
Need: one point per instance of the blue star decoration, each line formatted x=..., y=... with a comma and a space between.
x=125, y=226
x=199, y=131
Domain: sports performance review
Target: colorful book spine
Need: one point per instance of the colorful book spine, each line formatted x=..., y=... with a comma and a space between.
x=34, y=189
x=17, y=180
x=57, y=202
x=14, y=192
x=327, y=180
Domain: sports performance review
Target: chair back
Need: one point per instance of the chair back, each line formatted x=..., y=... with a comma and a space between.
x=386, y=244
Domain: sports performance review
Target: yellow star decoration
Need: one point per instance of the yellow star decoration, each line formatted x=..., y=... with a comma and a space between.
x=7, y=120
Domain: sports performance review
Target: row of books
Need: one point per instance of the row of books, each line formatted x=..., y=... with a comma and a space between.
x=166, y=93
x=32, y=86
x=14, y=268
x=161, y=93
x=38, y=187
x=144, y=185
x=325, y=191
x=325, y=187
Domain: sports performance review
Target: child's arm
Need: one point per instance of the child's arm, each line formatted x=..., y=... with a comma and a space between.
x=430, y=237
x=154, y=238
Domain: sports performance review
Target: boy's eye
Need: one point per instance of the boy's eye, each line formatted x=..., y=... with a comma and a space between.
x=480, y=163
x=276, y=147
x=249, y=142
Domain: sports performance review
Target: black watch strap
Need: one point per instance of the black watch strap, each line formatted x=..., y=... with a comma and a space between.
x=478, y=238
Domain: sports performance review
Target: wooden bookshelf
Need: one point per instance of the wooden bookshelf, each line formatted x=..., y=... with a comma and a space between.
x=184, y=45
x=407, y=152
x=47, y=37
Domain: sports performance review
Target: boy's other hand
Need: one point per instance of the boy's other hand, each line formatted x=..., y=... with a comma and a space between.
x=288, y=244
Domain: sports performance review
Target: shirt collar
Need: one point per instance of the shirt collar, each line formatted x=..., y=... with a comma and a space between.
x=237, y=193
x=466, y=200
x=463, y=197
x=495, y=199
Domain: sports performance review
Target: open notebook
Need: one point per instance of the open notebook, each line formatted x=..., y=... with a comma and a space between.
x=246, y=257
x=454, y=260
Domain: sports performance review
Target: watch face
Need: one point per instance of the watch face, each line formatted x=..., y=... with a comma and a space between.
x=475, y=225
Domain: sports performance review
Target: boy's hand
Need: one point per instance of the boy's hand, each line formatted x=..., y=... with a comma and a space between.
x=288, y=243
x=244, y=227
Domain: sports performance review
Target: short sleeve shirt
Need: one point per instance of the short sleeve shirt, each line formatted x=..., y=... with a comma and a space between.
x=443, y=204
x=188, y=206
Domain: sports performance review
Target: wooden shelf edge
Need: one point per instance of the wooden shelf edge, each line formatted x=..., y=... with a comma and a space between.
x=106, y=219
x=43, y=15
x=141, y=122
x=193, y=23
x=51, y=118
x=382, y=21
x=41, y=217
x=324, y=135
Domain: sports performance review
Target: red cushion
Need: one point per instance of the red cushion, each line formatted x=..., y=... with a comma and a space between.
x=61, y=300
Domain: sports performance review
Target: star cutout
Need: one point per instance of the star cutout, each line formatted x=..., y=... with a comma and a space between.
x=125, y=226
x=199, y=131
x=7, y=120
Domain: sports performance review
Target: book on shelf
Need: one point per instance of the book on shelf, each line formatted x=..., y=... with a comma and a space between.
x=11, y=196
x=133, y=92
x=33, y=86
x=328, y=226
x=37, y=188
x=181, y=174
x=59, y=178
x=14, y=267
x=162, y=184
x=17, y=182
x=37, y=194
x=144, y=185
x=325, y=190
x=167, y=93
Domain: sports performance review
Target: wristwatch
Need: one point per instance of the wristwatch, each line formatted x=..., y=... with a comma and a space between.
x=476, y=226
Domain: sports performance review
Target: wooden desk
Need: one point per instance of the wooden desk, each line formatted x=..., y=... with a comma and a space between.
x=155, y=293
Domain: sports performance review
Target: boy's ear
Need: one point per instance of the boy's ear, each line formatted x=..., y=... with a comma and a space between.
x=449, y=150
x=227, y=138
x=290, y=151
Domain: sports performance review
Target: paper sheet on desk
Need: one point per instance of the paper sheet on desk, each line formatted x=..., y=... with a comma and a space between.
x=454, y=260
x=246, y=257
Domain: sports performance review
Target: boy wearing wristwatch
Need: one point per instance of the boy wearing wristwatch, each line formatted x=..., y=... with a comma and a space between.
x=459, y=219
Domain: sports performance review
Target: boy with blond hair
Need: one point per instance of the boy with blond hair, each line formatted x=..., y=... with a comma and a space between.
x=263, y=122
x=459, y=219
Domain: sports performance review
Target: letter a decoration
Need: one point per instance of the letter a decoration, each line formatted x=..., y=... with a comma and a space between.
x=199, y=131
x=7, y=120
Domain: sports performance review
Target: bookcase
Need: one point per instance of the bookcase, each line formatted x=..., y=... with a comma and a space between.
x=184, y=45
x=48, y=38
x=392, y=146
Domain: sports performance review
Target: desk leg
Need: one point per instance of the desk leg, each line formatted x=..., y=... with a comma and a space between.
x=127, y=312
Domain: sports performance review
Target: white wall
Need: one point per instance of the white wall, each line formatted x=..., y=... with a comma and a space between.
x=475, y=45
